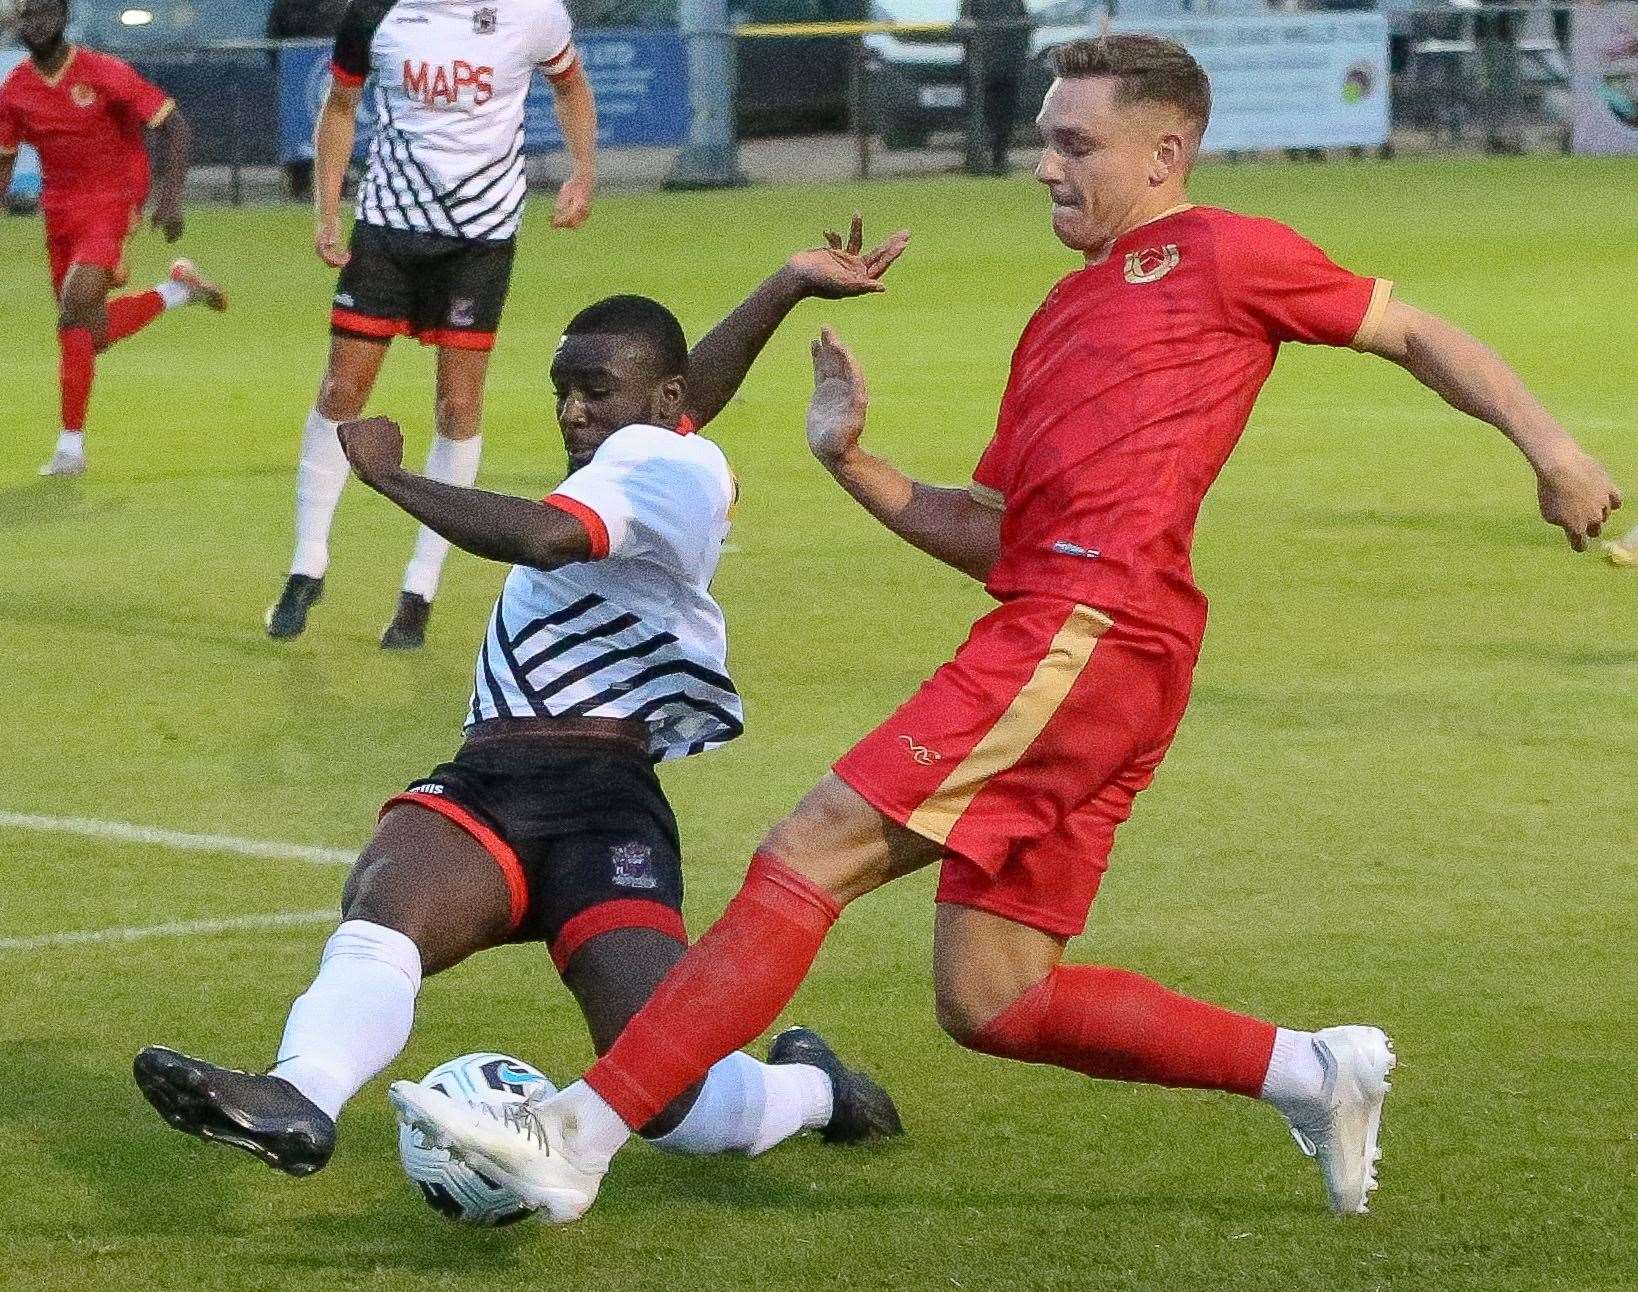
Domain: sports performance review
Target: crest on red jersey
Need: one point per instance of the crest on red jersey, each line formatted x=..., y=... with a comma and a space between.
x=82, y=95
x=1151, y=264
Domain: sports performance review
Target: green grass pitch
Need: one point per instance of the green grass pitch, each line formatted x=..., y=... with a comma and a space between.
x=1404, y=794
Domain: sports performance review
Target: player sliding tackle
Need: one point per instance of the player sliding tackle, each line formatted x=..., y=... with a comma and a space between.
x=1013, y=765
x=605, y=653
x=88, y=113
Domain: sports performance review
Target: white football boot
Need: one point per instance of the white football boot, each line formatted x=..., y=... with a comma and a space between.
x=1341, y=1132
x=64, y=464
x=520, y=1145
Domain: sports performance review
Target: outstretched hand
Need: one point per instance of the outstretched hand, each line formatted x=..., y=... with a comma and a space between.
x=1577, y=495
x=374, y=446
x=842, y=268
x=836, y=413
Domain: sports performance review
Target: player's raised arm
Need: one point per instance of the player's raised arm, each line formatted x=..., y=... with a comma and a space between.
x=718, y=363
x=497, y=527
x=946, y=523
x=577, y=114
x=332, y=151
x=1574, y=491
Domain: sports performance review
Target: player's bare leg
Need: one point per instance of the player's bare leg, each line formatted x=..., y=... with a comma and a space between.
x=321, y=474
x=453, y=458
x=423, y=896
x=89, y=323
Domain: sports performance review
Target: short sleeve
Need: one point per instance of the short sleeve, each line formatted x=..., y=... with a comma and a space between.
x=554, y=41
x=350, y=63
x=654, y=505
x=1276, y=282
x=135, y=97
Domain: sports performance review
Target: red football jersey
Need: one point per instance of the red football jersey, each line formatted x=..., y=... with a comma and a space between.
x=87, y=122
x=1131, y=386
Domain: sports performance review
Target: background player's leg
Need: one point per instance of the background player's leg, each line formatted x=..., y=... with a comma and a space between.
x=129, y=314
x=732, y=984
x=742, y=1106
x=82, y=330
x=321, y=474
x=457, y=446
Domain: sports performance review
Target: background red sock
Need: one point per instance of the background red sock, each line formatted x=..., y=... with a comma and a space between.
x=1122, y=1026
x=130, y=314
x=722, y=995
x=79, y=364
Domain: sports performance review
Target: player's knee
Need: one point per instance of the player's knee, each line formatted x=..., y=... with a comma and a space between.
x=370, y=893
x=962, y=1014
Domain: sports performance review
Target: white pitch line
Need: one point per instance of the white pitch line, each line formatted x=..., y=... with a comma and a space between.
x=182, y=928
x=127, y=832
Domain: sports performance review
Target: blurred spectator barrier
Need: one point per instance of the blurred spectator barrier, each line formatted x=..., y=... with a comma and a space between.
x=25, y=178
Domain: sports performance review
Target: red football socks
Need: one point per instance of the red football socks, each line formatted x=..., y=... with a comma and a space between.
x=722, y=995
x=1124, y=1027
x=130, y=314
x=79, y=363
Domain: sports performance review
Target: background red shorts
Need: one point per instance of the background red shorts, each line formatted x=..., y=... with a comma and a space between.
x=1024, y=752
x=90, y=233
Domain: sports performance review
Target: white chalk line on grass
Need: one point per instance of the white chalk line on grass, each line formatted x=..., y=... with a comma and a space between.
x=179, y=928
x=177, y=841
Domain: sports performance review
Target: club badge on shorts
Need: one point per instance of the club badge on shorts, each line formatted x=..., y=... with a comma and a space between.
x=633, y=865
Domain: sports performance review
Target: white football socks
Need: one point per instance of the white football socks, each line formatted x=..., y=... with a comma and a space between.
x=596, y=1133
x=320, y=477
x=1295, y=1083
x=173, y=293
x=748, y=1107
x=453, y=462
x=71, y=444
x=355, y=1018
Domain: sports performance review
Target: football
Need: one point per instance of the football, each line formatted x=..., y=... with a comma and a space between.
x=453, y=1189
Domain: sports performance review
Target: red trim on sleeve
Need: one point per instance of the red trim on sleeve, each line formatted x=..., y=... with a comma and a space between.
x=564, y=71
x=453, y=340
x=368, y=324
x=596, y=530
x=344, y=77
x=517, y=886
x=606, y=917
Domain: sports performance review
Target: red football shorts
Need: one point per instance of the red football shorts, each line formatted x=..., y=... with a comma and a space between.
x=91, y=232
x=1024, y=752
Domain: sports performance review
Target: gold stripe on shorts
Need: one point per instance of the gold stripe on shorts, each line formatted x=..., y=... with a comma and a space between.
x=1016, y=730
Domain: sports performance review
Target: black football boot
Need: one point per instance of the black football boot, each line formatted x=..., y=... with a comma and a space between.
x=408, y=629
x=262, y=1114
x=860, y=1109
x=287, y=616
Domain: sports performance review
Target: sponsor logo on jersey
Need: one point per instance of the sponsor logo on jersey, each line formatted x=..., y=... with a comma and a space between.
x=463, y=312
x=82, y=95
x=633, y=865
x=1151, y=264
x=923, y=755
x=484, y=22
x=412, y=17
x=439, y=83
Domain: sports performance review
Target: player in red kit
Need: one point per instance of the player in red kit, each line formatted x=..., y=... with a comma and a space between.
x=1014, y=764
x=87, y=114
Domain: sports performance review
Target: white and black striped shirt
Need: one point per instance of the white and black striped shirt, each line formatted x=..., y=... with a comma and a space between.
x=448, y=82
x=633, y=632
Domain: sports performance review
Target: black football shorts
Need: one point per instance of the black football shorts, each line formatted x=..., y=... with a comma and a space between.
x=586, y=839
x=441, y=291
